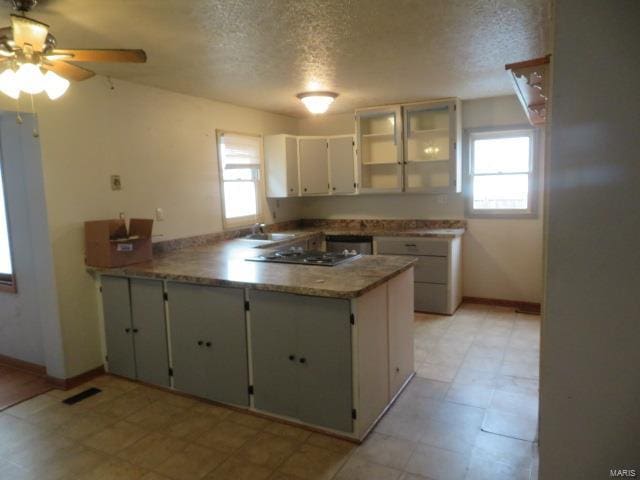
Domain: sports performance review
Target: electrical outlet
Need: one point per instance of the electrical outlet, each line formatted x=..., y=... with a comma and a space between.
x=121, y=215
x=159, y=214
x=116, y=183
x=442, y=199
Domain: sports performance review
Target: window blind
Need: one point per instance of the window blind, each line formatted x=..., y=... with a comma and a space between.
x=240, y=151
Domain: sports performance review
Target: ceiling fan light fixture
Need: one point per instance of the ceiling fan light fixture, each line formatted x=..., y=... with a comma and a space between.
x=317, y=102
x=9, y=84
x=30, y=78
x=55, y=85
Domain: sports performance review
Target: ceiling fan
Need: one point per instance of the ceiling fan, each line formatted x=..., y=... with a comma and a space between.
x=35, y=64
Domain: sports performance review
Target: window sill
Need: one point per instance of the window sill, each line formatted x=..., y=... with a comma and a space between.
x=506, y=215
x=8, y=287
x=243, y=223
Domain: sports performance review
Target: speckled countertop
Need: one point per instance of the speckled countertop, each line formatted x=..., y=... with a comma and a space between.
x=415, y=232
x=225, y=264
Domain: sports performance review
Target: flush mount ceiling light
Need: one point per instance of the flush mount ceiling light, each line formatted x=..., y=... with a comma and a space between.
x=33, y=64
x=317, y=102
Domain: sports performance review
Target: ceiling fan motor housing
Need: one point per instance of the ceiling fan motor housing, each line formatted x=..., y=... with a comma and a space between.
x=24, y=5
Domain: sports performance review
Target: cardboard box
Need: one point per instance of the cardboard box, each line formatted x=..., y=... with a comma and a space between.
x=108, y=243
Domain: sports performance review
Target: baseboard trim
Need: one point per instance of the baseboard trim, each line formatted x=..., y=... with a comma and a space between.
x=68, y=383
x=23, y=365
x=525, y=307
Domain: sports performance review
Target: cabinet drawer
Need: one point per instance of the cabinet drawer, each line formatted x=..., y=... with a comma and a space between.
x=432, y=270
x=430, y=297
x=413, y=246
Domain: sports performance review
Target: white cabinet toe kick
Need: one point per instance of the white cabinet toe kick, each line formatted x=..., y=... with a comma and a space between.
x=331, y=364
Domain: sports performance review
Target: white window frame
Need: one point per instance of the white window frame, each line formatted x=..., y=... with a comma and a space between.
x=501, y=132
x=7, y=280
x=239, y=222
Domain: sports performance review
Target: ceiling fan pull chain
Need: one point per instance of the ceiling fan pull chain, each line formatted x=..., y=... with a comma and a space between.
x=18, y=116
x=36, y=134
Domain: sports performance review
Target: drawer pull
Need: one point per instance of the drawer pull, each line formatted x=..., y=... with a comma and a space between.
x=410, y=245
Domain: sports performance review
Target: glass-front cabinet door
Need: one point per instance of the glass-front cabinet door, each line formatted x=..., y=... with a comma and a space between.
x=432, y=147
x=379, y=149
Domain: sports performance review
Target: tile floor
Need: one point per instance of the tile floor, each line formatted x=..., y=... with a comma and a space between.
x=469, y=414
x=17, y=385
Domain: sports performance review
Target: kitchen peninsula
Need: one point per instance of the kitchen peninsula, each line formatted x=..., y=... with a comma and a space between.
x=327, y=347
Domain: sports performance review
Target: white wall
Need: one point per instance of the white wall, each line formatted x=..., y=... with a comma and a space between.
x=29, y=324
x=590, y=386
x=502, y=258
x=163, y=146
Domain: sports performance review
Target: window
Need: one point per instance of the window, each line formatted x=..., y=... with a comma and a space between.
x=240, y=167
x=501, y=173
x=7, y=281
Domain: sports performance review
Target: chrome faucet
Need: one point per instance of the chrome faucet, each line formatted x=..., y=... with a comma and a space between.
x=257, y=227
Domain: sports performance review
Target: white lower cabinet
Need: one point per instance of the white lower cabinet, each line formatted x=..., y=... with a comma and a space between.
x=438, y=272
x=135, y=329
x=331, y=363
x=301, y=351
x=400, y=305
x=208, y=342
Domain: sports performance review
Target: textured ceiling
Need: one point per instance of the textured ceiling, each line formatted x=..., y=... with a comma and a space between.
x=260, y=53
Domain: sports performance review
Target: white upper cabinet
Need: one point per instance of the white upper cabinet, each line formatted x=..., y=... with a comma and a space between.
x=413, y=148
x=281, y=165
x=314, y=165
x=432, y=147
x=379, y=149
x=342, y=164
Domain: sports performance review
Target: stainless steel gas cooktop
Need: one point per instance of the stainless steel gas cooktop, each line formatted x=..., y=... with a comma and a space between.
x=306, y=257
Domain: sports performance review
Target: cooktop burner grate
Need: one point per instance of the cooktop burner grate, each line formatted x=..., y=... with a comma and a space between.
x=304, y=257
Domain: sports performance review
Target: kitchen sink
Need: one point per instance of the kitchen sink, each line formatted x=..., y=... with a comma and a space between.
x=274, y=237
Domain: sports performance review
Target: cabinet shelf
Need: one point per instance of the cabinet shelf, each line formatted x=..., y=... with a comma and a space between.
x=429, y=131
x=378, y=135
x=429, y=160
x=371, y=164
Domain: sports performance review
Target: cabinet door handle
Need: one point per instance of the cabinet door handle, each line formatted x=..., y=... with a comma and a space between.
x=127, y=330
x=409, y=244
x=208, y=344
x=397, y=369
x=135, y=330
x=303, y=360
x=305, y=189
x=200, y=342
x=292, y=357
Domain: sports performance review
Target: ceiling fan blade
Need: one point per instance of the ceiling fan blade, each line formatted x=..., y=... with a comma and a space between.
x=132, y=56
x=68, y=71
x=29, y=31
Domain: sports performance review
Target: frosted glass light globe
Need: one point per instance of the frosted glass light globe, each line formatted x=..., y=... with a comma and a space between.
x=30, y=78
x=55, y=85
x=9, y=84
x=317, y=102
